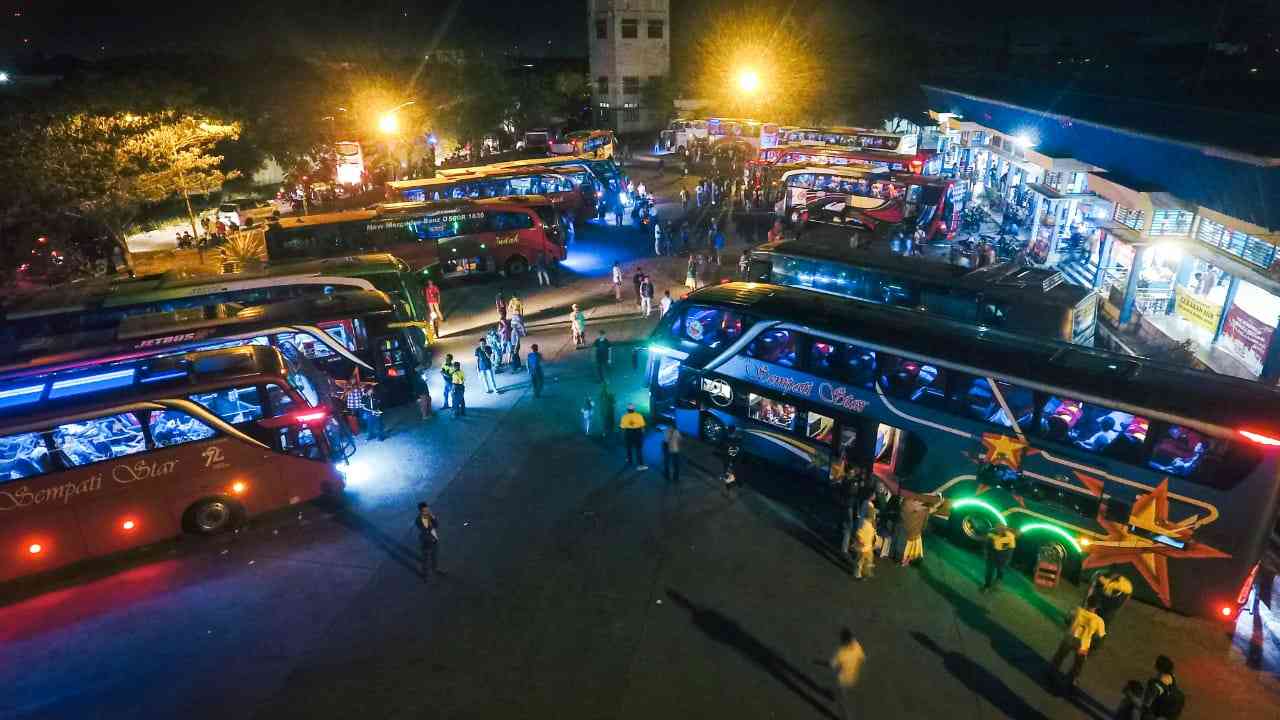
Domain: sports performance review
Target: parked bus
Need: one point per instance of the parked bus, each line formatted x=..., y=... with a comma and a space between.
x=792, y=154
x=338, y=333
x=1163, y=473
x=683, y=136
x=349, y=163
x=1005, y=296
x=569, y=188
x=854, y=138
x=460, y=237
x=923, y=208
x=105, y=459
x=598, y=144
x=605, y=170
x=100, y=304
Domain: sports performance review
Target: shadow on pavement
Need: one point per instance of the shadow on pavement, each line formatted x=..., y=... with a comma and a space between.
x=402, y=554
x=727, y=631
x=981, y=681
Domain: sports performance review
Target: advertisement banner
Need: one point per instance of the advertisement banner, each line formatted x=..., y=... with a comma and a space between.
x=1196, y=310
x=1246, y=337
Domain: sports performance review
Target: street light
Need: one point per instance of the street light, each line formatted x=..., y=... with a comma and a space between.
x=748, y=81
x=388, y=123
x=4, y=78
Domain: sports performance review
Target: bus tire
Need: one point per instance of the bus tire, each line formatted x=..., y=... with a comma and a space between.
x=970, y=526
x=212, y=516
x=517, y=266
x=712, y=430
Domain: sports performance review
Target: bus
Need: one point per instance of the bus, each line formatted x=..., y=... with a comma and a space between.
x=100, y=460
x=27, y=321
x=606, y=171
x=569, y=188
x=852, y=137
x=1166, y=474
x=338, y=333
x=599, y=144
x=683, y=136
x=1004, y=296
x=348, y=163
x=842, y=157
x=923, y=208
x=455, y=237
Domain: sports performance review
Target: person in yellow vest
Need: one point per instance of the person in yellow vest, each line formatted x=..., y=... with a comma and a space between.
x=847, y=663
x=632, y=425
x=1111, y=591
x=1084, y=626
x=459, y=390
x=1001, y=542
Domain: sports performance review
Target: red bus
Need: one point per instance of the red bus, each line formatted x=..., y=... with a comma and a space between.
x=885, y=203
x=452, y=238
x=872, y=159
x=570, y=188
x=112, y=457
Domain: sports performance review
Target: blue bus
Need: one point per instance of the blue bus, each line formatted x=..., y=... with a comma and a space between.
x=1167, y=474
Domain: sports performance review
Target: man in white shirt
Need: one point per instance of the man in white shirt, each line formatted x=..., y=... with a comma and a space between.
x=617, y=282
x=665, y=304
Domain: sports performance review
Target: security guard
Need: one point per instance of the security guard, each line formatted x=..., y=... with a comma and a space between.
x=1001, y=543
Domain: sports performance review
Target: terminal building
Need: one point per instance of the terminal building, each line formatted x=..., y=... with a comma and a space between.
x=630, y=46
x=1171, y=213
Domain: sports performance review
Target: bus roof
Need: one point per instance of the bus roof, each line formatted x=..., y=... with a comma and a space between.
x=1227, y=403
x=37, y=401
x=1007, y=278
x=450, y=176
x=861, y=172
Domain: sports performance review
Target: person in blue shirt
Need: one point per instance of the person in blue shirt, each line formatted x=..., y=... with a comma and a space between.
x=534, y=361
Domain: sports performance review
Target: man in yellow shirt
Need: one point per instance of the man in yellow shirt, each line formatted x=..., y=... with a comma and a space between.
x=846, y=663
x=1084, y=626
x=459, y=390
x=1001, y=542
x=632, y=425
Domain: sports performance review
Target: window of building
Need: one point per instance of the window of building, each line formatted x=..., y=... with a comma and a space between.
x=104, y=438
x=235, y=405
x=602, y=86
x=174, y=427
x=1233, y=242
x=1095, y=428
x=1171, y=222
x=630, y=28
x=631, y=85
x=1129, y=217
x=655, y=29
x=631, y=113
x=22, y=456
x=914, y=380
x=602, y=29
x=775, y=346
x=770, y=411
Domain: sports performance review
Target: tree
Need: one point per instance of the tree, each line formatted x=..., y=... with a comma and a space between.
x=108, y=166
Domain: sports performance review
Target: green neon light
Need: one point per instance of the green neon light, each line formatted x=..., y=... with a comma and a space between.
x=1030, y=527
x=975, y=502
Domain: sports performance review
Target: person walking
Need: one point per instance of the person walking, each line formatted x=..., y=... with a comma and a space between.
x=636, y=278
x=732, y=450
x=540, y=268
x=578, y=327
x=484, y=365
x=1159, y=699
x=632, y=424
x=433, y=299
x=684, y=199
x=691, y=275
x=446, y=375
x=459, y=390
x=697, y=194
x=865, y=544
x=515, y=310
x=664, y=305
x=500, y=305
x=428, y=527
x=1085, y=624
x=617, y=282
x=646, y=295
x=717, y=245
x=588, y=413
x=1111, y=590
x=534, y=361
x=1001, y=542
x=684, y=237
x=671, y=441
x=422, y=393
x=570, y=230
x=604, y=353
x=846, y=663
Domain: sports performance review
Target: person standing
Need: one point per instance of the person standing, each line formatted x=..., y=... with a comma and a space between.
x=459, y=390
x=664, y=305
x=636, y=278
x=578, y=327
x=847, y=663
x=446, y=374
x=433, y=299
x=534, y=361
x=617, y=282
x=1159, y=699
x=1111, y=590
x=1085, y=624
x=428, y=527
x=717, y=245
x=657, y=238
x=671, y=441
x=1001, y=542
x=915, y=515
x=484, y=365
x=603, y=354
x=570, y=230
x=422, y=392
x=646, y=295
x=697, y=194
x=691, y=275
x=865, y=541
x=632, y=425
x=515, y=310
x=540, y=269
x=684, y=198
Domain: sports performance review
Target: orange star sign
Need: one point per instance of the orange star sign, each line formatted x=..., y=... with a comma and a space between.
x=1003, y=450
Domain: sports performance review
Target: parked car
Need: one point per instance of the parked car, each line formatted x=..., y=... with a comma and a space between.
x=536, y=141
x=240, y=212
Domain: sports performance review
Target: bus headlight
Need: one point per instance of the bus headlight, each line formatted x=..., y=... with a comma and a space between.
x=354, y=472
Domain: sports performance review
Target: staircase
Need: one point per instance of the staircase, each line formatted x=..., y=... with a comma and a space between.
x=1078, y=273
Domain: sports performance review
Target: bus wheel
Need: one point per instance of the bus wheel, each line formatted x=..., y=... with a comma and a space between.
x=211, y=516
x=517, y=266
x=971, y=526
x=713, y=431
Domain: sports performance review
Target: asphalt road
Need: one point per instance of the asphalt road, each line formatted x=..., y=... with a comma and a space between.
x=574, y=588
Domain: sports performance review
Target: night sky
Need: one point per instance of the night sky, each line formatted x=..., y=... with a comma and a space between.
x=332, y=28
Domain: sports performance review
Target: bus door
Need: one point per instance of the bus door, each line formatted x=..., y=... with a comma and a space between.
x=890, y=454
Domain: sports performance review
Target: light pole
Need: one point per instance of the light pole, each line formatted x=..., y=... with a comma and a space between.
x=389, y=125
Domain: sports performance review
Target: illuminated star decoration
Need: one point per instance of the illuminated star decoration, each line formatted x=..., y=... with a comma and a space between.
x=1151, y=513
x=1003, y=450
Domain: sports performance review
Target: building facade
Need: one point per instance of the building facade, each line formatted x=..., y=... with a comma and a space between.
x=1179, y=235
x=630, y=46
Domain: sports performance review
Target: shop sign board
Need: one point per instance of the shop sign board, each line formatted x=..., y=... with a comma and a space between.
x=1196, y=310
x=1246, y=337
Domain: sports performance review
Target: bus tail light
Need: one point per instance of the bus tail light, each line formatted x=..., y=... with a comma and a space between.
x=311, y=416
x=238, y=487
x=128, y=524
x=35, y=548
x=1259, y=438
x=1226, y=611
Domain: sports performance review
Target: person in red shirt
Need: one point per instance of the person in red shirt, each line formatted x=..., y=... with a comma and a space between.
x=433, y=300
x=775, y=232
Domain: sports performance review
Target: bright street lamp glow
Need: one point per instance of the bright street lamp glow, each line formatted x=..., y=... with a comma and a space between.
x=748, y=81
x=4, y=77
x=1025, y=141
x=388, y=123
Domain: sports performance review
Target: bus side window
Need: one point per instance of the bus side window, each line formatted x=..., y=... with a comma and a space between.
x=858, y=367
x=22, y=456
x=972, y=398
x=1095, y=428
x=279, y=400
x=776, y=346
x=824, y=358
x=105, y=438
x=174, y=427
x=914, y=380
x=235, y=405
